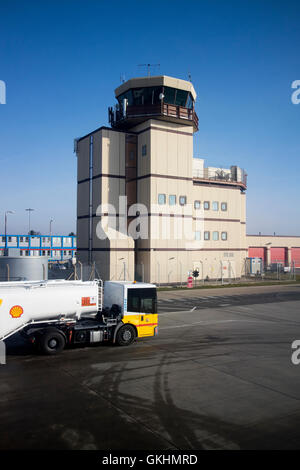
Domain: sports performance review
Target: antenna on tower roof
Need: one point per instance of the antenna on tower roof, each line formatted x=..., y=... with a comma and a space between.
x=122, y=77
x=190, y=76
x=149, y=67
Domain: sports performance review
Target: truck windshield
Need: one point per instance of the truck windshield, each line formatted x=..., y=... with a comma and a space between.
x=142, y=300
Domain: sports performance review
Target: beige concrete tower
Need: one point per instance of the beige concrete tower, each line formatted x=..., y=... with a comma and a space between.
x=147, y=157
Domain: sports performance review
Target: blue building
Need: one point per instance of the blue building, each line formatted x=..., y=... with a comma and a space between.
x=55, y=247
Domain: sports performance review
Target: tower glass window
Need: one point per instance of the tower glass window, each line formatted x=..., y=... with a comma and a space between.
x=181, y=97
x=189, y=103
x=161, y=199
x=215, y=206
x=197, y=204
x=182, y=200
x=206, y=205
x=215, y=236
x=172, y=200
x=206, y=235
x=224, y=235
x=224, y=206
x=169, y=95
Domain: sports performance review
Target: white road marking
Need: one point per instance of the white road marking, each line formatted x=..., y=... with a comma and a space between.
x=207, y=322
x=192, y=309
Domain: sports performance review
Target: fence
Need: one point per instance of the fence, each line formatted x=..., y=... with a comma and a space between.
x=277, y=271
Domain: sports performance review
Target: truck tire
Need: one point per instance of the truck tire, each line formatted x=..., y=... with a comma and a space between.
x=52, y=342
x=125, y=335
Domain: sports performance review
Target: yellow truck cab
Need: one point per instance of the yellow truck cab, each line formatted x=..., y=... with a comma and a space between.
x=138, y=302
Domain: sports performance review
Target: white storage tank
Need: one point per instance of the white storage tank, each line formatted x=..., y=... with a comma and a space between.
x=18, y=268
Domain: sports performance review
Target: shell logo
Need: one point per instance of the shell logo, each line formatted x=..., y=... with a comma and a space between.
x=16, y=311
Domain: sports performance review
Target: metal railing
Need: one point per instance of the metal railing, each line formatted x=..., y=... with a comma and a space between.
x=117, y=115
x=232, y=175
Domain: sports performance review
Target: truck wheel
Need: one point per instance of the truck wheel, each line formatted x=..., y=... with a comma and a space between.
x=52, y=342
x=125, y=335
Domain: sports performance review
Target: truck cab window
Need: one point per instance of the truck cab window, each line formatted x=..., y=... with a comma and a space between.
x=142, y=300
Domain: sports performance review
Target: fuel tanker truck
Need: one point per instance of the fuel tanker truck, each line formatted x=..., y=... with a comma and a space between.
x=54, y=314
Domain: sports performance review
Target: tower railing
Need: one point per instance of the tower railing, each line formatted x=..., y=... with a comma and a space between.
x=117, y=115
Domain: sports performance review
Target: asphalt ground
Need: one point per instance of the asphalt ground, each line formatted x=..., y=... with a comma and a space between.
x=218, y=376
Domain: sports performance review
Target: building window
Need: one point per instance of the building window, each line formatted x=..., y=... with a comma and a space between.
x=26, y=239
x=223, y=206
x=197, y=204
x=144, y=150
x=21, y=252
x=161, y=199
x=3, y=239
x=206, y=235
x=48, y=253
x=197, y=235
x=206, y=205
x=21, y=239
x=215, y=236
x=27, y=253
x=9, y=239
x=224, y=235
x=215, y=206
x=182, y=200
x=172, y=200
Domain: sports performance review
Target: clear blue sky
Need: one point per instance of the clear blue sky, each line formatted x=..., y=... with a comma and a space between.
x=61, y=61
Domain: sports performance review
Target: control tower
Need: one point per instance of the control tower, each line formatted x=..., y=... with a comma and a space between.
x=146, y=159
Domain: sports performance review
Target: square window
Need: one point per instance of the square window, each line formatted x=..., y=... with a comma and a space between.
x=223, y=206
x=182, y=200
x=206, y=205
x=144, y=150
x=224, y=235
x=197, y=235
x=215, y=206
x=172, y=200
x=161, y=199
x=206, y=235
x=197, y=204
x=215, y=236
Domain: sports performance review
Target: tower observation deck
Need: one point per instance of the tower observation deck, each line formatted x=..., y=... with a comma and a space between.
x=158, y=97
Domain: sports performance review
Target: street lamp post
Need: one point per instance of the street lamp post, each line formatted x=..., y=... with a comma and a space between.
x=29, y=210
x=50, y=231
x=5, y=228
x=169, y=272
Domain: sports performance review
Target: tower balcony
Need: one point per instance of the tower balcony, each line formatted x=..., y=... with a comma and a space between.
x=233, y=176
x=134, y=115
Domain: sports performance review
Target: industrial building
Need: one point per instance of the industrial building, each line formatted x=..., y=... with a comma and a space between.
x=55, y=247
x=146, y=208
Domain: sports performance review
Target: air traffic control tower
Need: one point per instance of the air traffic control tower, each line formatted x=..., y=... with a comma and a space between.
x=146, y=156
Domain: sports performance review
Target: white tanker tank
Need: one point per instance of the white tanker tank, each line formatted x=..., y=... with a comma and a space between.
x=29, y=302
